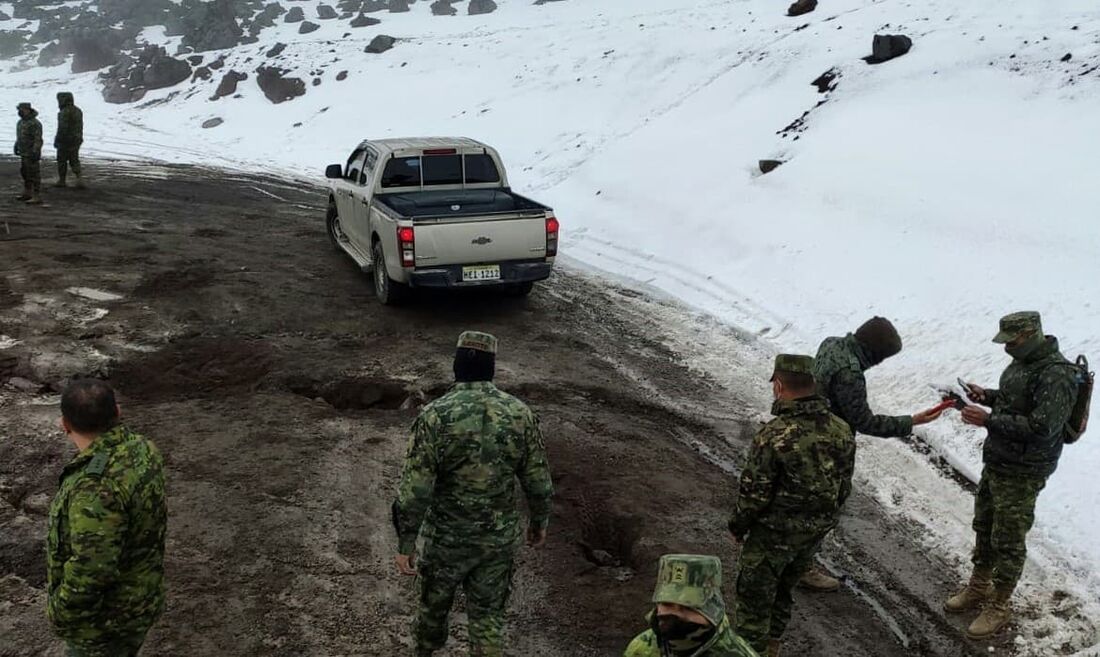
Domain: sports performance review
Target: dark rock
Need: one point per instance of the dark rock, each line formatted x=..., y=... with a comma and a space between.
x=398, y=6
x=1068, y=56
x=228, y=85
x=13, y=43
x=362, y=20
x=478, y=7
x=887, y=47
x=341, y=76
x=5, y=17
x=202, y=73
x=443, y=8
x=142, y=13
x=266, y=18
x=316, y=82
x=826, y=81
x=276, y=88
x=380, y=44
x=295, y=15
x=52, y=55
x=276, y=50
x=209, y=25
x=542, y=2
x=195, y=60
x=117, y=92
x=326, y=12
x=801, y=7
x=213, y=123
x=370, y=6
x=91, y=53
x=217, y=64
x=306, y=27
x=767, y=166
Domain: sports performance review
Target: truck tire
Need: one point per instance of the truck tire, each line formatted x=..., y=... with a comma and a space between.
x=332, y=226
x=388, y=291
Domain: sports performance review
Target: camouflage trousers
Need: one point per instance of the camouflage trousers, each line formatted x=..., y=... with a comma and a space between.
x=1004, y=511
x=485, y=575
x=118, y=647
x=68, y=156
x=769, y=568
x=31, y=170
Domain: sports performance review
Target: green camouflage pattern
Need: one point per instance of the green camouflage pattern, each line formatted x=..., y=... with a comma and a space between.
x=485, y=576
x=839, y=368
x=105, y=544
x=1004, y=511
x=1015, y=324
x=1030, y=409
x=70, y=123
x=794, y=363
x=798, y=473
x=769, y=568
x=478, y=341
x=691, y=580
x=28, y=137
x=724, y=643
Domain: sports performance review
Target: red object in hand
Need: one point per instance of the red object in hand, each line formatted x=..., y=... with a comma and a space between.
x=942, y=406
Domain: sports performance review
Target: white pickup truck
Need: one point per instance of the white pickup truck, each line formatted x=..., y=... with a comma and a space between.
x=437, y=212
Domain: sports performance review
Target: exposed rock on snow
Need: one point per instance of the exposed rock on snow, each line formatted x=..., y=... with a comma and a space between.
x=228, y=85
x=802, y=7
x=326, y=12
x=362, y=20
x=213, y=123
x=276, y=50
x=443, y=8
x=478, y=7
x=341, y=76
x=826, y=81
x=295, y=15
x=398, y=6
x=767, y=166
x=380, y=44
x=276, y=88
x=887, y=47
x=306, y=27
x=52, y=55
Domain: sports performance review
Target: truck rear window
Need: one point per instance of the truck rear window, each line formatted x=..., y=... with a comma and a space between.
x=439, y=170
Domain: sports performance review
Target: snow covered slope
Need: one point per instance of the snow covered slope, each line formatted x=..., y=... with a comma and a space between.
x=942, y=189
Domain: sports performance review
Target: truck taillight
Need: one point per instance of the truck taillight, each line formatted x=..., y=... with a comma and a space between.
x=406, y=245
x=551, y=236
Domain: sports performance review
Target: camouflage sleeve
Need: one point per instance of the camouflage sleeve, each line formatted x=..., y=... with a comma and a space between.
x=846, y=471
x=534, y=476
x=36, y=133
x=850, y=395
x=643, y=645
x=757, y=486
x=97, y=529
x=991, y=395
x=414, y=493
x=1055, y=396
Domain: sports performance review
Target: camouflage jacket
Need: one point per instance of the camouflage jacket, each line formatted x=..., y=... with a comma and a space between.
x=105, y=546
x=798, y=473
x=28, y=138
x=467, y=449
x=70, y=125
x=838, y=368
x=1030, y=410
x=724, y=643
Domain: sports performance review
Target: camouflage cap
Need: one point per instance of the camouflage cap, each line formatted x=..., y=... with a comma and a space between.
x=693, y=581
x=478, y=341
x=22, y=106
x=1015, y=324
x=793, y=363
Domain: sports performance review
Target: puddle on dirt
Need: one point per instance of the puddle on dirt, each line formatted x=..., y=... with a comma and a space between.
x=93, y=294
x=358, y=393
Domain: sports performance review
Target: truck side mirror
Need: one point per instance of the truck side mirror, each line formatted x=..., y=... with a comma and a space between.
x=334, y=171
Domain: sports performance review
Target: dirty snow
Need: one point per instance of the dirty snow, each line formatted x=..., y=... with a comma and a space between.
x=942, y=190
x=93, y=294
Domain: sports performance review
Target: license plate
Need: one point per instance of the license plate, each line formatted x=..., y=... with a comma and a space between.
x=482, y=273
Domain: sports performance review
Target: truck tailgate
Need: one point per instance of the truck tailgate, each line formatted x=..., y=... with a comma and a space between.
x=479, y=240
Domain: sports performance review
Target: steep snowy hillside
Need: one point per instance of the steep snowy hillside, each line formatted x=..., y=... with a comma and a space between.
x=941, y=189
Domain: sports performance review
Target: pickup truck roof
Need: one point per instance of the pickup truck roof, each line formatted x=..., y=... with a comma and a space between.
x=417, y=144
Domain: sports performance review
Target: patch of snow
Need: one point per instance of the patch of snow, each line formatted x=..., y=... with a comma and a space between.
x=94, y=294
x=8, y=342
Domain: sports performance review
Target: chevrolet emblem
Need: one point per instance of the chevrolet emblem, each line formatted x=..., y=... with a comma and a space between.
x=481, y=241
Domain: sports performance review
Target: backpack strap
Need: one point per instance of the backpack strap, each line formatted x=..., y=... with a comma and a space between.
x=97, y=465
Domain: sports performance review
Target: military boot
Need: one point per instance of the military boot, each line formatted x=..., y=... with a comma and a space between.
x=28, y=192
x=60, y=181
x=80, y=182
x=816, y=579
x=977, y=591
x=995, y=615
x=773, y=648
x=35, y=199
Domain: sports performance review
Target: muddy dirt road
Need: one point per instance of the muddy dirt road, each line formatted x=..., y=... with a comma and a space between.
x=281, y=393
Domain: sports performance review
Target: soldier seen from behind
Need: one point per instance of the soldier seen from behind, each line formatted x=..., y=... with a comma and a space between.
x=28, y=146
x=70, y=135
x=796, y=478
x=839, y=369
x=1027, y=425
x=458, y=482
x=689, y=616
x=105, y=545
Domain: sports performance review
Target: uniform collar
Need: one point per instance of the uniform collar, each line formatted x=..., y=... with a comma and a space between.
x=860, y=352
x=474, y=385
x=104, y=443
x=802, y=406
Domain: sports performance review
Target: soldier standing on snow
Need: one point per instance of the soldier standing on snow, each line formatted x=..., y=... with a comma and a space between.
x=1026, y=429
x=70, y=135
x=467, y=450
x=839, y=368
x=796, y=478
x=28, y=146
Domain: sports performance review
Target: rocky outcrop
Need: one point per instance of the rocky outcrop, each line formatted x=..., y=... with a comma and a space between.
x=326, y=12
x=276, y=87
x=152, y=68
x=209, y=25
x=478, y=7
x=380, y=44
x=443, y=8
x=295, y=15
x=888, y=46
x=306, y=27
x=228, y=85
x=52, y=55
x=362, y=20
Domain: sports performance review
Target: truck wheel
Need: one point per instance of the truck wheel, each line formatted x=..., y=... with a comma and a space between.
x=388, y=291
x=332, y=227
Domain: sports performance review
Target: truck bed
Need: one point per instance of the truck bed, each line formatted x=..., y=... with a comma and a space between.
x=458, y=203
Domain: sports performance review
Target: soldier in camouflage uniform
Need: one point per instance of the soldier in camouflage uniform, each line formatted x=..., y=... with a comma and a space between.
x=797, y=477
x=838, y=368
x=1026, y=428
x=105, y=547
x=689, y=617
x=467, y=449
x=28, y=146
x=70, y=135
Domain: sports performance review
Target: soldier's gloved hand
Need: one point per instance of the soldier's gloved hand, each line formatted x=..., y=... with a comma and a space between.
x=406, y=564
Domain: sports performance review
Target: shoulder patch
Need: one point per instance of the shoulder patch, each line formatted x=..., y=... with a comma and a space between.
x=97, y=465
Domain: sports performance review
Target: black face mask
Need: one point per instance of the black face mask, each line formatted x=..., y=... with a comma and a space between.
x=681, y=636
x=1025, y=349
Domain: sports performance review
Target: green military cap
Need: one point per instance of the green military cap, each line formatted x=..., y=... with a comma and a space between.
x=1015, y=324
x=693, y=581
x=478, y=341
x=23, y=106
x=794, y=364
